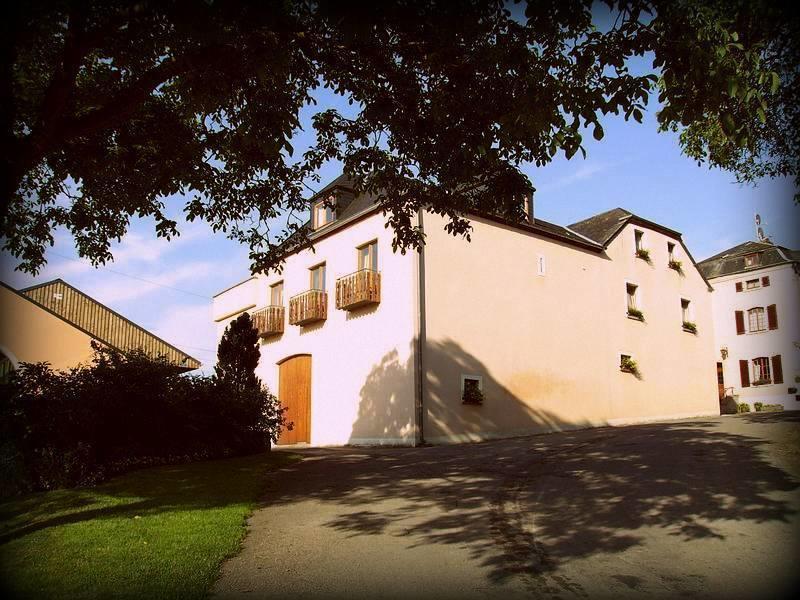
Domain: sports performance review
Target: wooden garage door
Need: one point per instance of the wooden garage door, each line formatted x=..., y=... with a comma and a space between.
x=294, y=392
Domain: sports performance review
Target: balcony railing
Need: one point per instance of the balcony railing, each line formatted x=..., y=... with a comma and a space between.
x=308, y=307
x=358, y=289
x=269, y=320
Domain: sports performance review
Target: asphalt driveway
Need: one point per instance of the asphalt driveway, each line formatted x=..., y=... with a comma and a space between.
x=695, y=508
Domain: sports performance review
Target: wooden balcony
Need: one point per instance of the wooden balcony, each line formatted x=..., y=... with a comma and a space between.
x=358, y=289
x=269, y=320
x=308, y=307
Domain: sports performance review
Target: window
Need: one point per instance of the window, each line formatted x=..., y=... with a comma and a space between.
x=368, y=256
x=318, y=277
x=323, y=214
x=471, y=389
x=639, y=238
x=527, y=208
x=752, y=284
x=686, y=310
x=756, y=320
x=276, y=294
x=761, y=371
x=541, y=266
x=752, y=260
x=671, y=251
x=632, y=291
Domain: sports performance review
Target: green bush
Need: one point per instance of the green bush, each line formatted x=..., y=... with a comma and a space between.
x=743, y=407
x=758, y=406
x=772, y=408
x=636, y=313
x=122, y=411
x=728, y=406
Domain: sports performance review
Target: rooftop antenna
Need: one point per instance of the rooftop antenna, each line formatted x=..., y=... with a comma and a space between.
x=760, y=235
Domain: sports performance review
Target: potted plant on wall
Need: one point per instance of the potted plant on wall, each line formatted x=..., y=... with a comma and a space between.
x=675, y=265
x=635, y=313
x=643, y=253
x=628, y=365
x=690, y=327
x=472, y=395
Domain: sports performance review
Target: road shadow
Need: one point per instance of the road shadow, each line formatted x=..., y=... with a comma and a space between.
x=525, y=506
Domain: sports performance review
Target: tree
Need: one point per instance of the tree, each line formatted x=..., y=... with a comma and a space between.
x=238, y=355
x=109, y=107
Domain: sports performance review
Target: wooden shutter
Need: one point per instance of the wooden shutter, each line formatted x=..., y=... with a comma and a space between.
x=744, y=372
x=738, y=286
x=777, y=369
x=765, y=281
x=772, y=316
x=739, y=322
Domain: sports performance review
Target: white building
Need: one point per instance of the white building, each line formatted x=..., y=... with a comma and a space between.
x=756, y=304
x=529, y=327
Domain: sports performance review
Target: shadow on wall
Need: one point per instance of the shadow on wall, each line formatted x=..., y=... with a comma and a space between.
x=386, y=406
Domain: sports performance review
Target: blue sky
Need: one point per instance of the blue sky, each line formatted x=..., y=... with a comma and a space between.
x=167, y=286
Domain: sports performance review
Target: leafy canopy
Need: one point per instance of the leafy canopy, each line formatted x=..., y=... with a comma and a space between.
x=108, y=107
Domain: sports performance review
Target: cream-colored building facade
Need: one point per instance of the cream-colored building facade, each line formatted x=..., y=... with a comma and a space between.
x=534, y=315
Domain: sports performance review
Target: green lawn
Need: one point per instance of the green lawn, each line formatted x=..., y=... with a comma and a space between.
x=160, y=532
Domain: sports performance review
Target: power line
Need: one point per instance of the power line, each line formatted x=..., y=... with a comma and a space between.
x=169, y=287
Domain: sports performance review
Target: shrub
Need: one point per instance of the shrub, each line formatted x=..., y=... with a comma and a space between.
x=676, y=265
x=643, y=254
x=689, y=326
x=628, y=365
x=124, y=410
x=472, y=395
x=758, y=406
x=772, y=408
x=743, y=407
x=728, y=406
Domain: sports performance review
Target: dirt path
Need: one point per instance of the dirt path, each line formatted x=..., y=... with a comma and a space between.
x=696, y=508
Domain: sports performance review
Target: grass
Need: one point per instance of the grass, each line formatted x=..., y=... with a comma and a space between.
x=160, y=532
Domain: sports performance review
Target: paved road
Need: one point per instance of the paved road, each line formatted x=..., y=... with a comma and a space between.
x=695, y=508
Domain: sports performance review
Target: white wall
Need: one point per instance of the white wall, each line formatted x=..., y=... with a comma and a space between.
x=362, y=388
x=784, y=292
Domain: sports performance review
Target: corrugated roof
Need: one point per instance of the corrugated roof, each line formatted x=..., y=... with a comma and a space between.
x=102, y=323
x=731, y=261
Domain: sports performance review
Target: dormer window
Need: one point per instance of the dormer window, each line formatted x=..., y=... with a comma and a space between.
x=752, y=260
x=527, y=208
x=323, y=213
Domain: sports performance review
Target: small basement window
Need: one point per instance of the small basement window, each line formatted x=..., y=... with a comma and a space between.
x=471, y=389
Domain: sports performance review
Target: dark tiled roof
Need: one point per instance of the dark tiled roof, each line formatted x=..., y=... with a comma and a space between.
x=731, y=261
x=603, y=227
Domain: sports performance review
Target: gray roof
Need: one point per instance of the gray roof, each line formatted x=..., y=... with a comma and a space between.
x=731, y=261
x=604, y=227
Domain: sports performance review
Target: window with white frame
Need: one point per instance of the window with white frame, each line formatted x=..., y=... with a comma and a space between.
x=761, y=374
x=472, y=389
x=318, y=277
x=752, y=260
x=752, y=284
x=756, y=319
x=276, y=294
x=368, y=256
x=632, y=292
x=324, y=213
x=686, y=310
x=638, y=236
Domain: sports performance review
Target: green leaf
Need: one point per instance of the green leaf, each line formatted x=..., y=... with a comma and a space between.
x=762, y=116
x=776, y=82
x=733, y=87
x=598, y=132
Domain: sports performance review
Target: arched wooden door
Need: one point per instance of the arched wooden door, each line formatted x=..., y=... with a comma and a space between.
x=294, y=392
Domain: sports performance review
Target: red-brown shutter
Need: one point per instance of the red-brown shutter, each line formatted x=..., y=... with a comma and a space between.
x=739, y=322
x=772, y=316
x=765, y=281
x=744, y=372
x=738, y=286
x=777, y=369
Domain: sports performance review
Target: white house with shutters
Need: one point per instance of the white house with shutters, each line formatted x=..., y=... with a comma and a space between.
x=756, y=304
